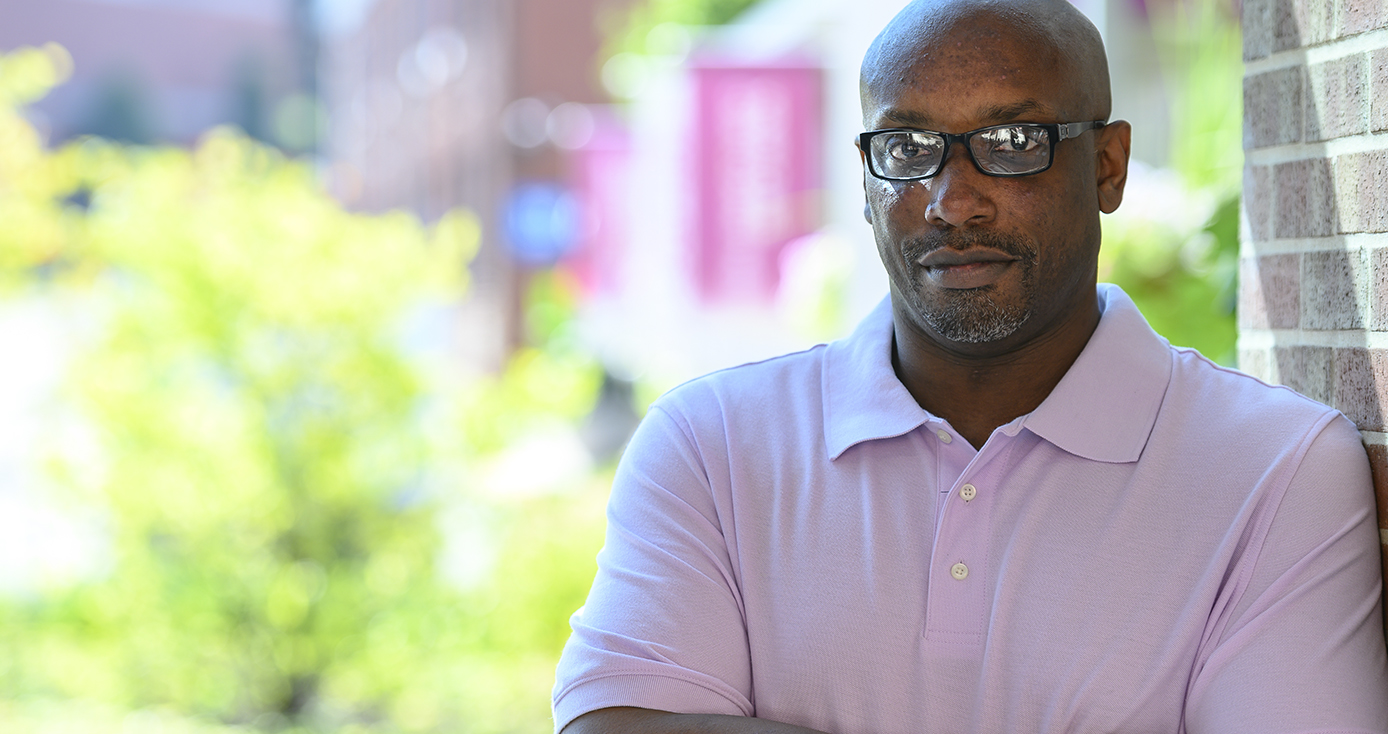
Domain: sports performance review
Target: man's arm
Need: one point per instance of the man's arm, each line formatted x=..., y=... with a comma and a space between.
x=646, y=721
x=663, y=628
x=1297, y=643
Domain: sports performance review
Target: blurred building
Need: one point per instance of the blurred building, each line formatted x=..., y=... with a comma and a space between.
x=713, y=218
x=735, y=228
x=166, y=70
x=437, y=104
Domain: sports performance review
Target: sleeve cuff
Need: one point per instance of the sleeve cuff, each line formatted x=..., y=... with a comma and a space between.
x=658, y=692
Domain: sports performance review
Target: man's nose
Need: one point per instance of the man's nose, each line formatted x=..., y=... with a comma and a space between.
x=958, y=194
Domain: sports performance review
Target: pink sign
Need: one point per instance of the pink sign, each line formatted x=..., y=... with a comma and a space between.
x=756, y=160
x=599, y=171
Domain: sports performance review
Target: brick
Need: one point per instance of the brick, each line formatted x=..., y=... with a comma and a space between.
x=1298, y=23
x=1252, y=311
x=1273, y=108
x=1286, y=32
x=1358, y=16
x=1280, y=276
x=1305, y=199
x=1257, y=28
x=1257, y=362
x=1378, y=465
x=1359, y=385
x=1378, y=295
x=1360, y=183
x=1270, y=292
x=1349, y=215
x=1257, y=202
x=1308, y=370
x=1373, y=180
x=1336, y=105
x=1329, y=282
x=1383, y=557
x=1378, y=99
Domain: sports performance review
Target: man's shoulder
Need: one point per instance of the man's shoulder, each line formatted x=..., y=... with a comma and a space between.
x=1210, y=402
x=782, y=380
x=1226, y=389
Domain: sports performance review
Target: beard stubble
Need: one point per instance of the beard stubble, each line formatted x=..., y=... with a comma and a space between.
x=974, y=315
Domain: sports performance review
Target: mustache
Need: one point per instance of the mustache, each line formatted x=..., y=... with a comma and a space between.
x=918, y=247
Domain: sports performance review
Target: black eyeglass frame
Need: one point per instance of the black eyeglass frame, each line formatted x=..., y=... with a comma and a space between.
x=1057, y=132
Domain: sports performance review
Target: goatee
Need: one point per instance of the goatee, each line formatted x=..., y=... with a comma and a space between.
x=975, y=315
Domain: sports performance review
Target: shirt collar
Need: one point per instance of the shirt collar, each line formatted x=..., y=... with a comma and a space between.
x=1103, y=409
x=1106, y=404
x=863, y=399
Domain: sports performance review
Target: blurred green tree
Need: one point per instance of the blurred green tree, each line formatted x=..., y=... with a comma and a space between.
x=1174, y=247
x=630, y=29
x=276, y=470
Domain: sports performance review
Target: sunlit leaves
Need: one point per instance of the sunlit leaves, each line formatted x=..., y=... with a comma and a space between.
x=1173, y=245
x=272, y=463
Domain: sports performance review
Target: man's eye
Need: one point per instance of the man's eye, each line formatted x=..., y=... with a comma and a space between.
x=1014, y=140
x=907, y=148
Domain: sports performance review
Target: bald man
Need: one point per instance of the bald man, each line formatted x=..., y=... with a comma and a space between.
x=1003, y=504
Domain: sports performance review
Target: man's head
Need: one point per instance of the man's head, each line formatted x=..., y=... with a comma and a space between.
x=983, y=263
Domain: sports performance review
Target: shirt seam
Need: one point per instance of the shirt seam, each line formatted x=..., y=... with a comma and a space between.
x=1256, y=545
x=1241, y=374
x=692, y=680
x=734, y=565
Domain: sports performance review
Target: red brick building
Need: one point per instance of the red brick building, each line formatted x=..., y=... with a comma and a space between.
x=437, y=104
x=1313, y=301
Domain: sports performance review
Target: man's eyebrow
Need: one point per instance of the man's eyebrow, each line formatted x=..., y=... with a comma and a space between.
x=907, y=118
x=1014, y=111
x=991, y=115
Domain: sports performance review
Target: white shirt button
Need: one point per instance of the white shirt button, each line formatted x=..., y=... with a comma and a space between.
x=944, y=435
x=959, y=571
x=968, y=492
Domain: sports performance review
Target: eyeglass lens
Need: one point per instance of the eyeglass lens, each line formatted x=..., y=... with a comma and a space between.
x=1007, y=150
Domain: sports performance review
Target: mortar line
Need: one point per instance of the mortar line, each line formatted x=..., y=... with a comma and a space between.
x=1330, y=51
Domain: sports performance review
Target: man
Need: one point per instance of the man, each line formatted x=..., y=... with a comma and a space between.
x=1003, y=504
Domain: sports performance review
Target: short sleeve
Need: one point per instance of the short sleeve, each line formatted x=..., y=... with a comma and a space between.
x=663, y=626
x=1301, y=646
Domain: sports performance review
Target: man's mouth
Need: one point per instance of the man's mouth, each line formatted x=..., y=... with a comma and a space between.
x=946, y=257
x=974, y=267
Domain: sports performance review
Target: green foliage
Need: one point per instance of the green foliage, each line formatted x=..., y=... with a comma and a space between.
x=631, y=31
x=1184, y=281
x=1183, y=274
x=1201, y=48
x=276, y=471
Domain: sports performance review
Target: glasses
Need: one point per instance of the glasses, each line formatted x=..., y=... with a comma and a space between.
x=1019, y=149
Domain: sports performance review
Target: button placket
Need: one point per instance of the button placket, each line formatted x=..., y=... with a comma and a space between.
x=959, y=596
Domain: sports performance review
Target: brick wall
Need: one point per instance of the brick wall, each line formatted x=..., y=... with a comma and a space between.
x=1313, y=273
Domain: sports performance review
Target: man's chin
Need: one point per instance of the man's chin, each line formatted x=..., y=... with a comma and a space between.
x=979, y=331
x=973, y=317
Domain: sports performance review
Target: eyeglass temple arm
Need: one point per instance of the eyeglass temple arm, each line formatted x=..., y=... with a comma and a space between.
x=1074, y=129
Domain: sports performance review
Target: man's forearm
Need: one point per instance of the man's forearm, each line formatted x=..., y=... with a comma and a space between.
x=647, y=721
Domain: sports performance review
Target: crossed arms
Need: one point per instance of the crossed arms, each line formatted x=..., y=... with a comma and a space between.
x=646, y=721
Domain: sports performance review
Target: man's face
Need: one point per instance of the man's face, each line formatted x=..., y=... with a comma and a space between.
x=975, y=259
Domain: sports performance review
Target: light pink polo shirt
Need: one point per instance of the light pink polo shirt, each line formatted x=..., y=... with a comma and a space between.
x=1164, y=545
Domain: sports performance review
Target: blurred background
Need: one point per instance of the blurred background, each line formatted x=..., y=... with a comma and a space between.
x=324, y=322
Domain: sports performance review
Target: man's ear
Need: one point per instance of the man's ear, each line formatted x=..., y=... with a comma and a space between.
x=1111, y=165
x=862, y=159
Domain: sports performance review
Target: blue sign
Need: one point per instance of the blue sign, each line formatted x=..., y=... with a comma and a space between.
x=542, y=221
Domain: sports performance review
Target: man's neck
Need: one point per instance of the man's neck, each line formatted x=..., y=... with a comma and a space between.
x=979, y=389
